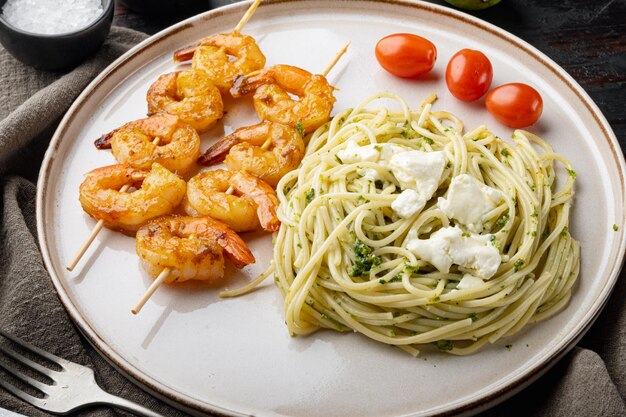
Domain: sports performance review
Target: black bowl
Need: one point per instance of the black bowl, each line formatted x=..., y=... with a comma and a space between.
x=56, y=52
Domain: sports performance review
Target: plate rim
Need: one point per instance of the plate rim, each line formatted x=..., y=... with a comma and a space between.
x=178, y=399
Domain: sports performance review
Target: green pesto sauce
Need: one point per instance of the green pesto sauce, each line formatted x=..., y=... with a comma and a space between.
x=310, y=195
x=364, y=259
x=571, y=172
x=502, y=220
x=446, y=345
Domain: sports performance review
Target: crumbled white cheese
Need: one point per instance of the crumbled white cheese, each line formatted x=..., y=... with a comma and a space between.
x=388, y=150
x=418, y=170
x=369, y=174
x=408, y=203
x=419, y=174
x=468, y=201
x=379, y=152
x=469, y=281
x=354, y=153
x=473, y=253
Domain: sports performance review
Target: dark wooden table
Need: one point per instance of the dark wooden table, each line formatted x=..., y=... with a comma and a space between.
x=585, y=37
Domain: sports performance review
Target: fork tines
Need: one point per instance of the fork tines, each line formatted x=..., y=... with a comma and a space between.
x=40, y=386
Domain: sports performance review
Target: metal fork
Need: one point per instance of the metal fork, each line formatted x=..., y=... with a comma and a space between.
x=73, y=387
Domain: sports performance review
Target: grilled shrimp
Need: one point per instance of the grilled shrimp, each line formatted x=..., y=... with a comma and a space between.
x=253, y=205
x=192, y=248
x=157, y=193
x=177, y=150
x=272, y=88
x=224, y=57
x=242, y=150
x=190, y=95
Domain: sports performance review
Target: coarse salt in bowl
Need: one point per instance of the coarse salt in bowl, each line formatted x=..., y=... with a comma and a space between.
x=54, y=34
x=51, y=17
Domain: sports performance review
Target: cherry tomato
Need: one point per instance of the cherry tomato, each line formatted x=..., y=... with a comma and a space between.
x=406, y=55
x=516, y=105
x=469, y=74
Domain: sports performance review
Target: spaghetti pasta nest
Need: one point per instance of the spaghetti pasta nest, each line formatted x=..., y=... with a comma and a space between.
x=341, y=258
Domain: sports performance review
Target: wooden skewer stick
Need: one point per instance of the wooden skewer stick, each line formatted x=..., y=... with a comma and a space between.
x=267, y=144
x=96, y=229
x=153, y=287
x=166, y=271
x=157, y=282
x=94, y=232
x=336, y=59
x=247, y=16
x=330, y=66
x=161, y=278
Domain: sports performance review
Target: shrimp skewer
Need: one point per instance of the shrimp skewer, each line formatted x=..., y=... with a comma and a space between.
x=225, y=56
x=190, y=95
x=158, y=192
x=179, y=248
x=94, y=232
x=324, y=73
x=187, y=53
x=235, y=248
x=274, y=87
x=133, y=143
x=266, y=150
x=161, y=97
x=271, y=223
x=256, y=282
x=248, y=147
x=252, y=57
x=255, y=207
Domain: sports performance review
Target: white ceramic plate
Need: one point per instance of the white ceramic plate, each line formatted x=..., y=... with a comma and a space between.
x=234, y=356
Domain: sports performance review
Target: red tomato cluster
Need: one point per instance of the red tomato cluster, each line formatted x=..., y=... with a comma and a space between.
x=468, y=75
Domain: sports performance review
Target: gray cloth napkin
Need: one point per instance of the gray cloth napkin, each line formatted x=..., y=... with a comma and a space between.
x=33, y=103
x=589, y=381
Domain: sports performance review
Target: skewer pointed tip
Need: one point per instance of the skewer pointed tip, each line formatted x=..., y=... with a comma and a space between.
x=336, y=59
x=247, y=16
x=157, y=282
x=81, y=251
